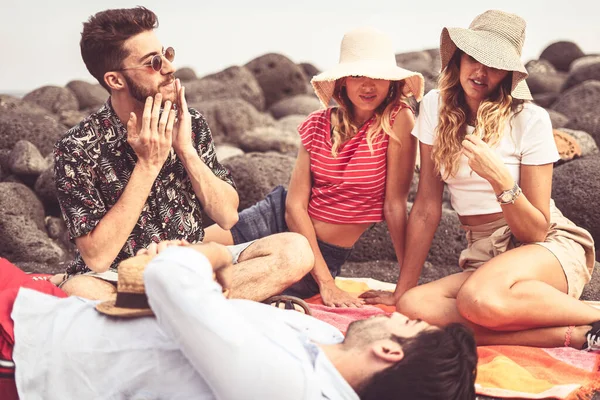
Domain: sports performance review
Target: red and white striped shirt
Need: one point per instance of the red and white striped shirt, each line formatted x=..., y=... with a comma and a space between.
x=350, y=188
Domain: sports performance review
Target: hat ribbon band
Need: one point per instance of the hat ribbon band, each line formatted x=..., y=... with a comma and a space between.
x=132, y=300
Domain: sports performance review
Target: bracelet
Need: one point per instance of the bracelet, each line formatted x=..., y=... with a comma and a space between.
x=568, y=335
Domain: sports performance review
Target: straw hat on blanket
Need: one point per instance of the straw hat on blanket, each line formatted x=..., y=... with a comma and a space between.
x=367, y=52
x=131, y=300
x=495, y=39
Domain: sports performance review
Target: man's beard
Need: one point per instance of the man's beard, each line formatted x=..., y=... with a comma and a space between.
x=141, y=93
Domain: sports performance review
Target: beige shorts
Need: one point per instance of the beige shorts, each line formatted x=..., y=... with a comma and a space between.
x=571, y=245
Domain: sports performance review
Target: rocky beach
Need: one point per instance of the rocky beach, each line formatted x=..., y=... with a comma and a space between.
x=253, y=111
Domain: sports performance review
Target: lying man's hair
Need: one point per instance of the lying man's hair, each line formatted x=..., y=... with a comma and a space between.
x=438, y=364
x=103, y=36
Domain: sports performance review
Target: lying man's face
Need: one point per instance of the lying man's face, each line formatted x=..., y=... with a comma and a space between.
x=383, y=326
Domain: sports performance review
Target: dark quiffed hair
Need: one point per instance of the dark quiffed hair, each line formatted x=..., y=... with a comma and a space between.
x=438, y=364
x=103, y=36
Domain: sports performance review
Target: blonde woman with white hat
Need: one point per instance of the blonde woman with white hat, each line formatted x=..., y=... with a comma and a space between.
x=353, y=169
x=526, y=264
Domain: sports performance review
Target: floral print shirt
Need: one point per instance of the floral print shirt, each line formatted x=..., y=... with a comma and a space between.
x=93, y=164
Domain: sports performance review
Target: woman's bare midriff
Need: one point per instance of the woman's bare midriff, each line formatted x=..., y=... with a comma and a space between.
x=472, y=220
x=343, y=235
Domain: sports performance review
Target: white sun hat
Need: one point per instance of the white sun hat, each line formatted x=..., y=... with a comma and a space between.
x=367, y=52
x=495, y=39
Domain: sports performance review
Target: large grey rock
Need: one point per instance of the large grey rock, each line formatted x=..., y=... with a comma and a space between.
x=301, y=104
x=278, y=77
x=592, y=289
x=242, y=84
x=57, y=231
x=546, y=82
x=584, y=69
x=25, y=159
x=208, y=89
x=229, y=119
x=17, y=199
x=309, y=70
x=22, y=240
x=562, y=54
x=53, y=98
x=185, y=74
x=540, y=66
x=290, y=122
x=270, y=138
x=72, y=118
x=256, y=174
x=558, y=120
x=580, y=105
x=576, y=189
x=449, y=240
x=45, y=188
x=226, y=151
x=21, y=120
x=585, y=140
x=419, y=61
x=88, y=95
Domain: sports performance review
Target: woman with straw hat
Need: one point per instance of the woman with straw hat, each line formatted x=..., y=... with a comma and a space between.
x=353, y=169
x=526, y=264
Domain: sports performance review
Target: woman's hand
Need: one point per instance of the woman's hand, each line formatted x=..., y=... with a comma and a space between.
x=379, y=297
x=335, y=297
x=486, y=163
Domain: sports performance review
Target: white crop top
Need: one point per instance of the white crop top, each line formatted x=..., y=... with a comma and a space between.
x=528, y=140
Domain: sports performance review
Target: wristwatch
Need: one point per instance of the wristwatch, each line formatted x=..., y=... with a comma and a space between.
x=509, y=196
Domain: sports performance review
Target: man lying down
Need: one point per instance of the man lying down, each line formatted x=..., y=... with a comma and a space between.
x=172, y=334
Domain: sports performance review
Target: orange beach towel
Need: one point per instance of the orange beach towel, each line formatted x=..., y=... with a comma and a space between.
x=503, y=371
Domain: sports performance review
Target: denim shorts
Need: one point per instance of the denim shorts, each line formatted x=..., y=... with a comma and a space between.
x=267, y=217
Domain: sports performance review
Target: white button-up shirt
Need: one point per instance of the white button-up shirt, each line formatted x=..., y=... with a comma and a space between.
x=199, y=346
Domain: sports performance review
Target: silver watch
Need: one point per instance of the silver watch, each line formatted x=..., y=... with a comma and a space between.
x=509, y=196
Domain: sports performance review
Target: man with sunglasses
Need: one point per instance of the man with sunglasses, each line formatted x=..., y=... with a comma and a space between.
x=143, y=168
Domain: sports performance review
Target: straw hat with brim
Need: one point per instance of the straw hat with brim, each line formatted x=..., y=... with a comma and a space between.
x=495, y=39
x=367, y=52
x=131, y=300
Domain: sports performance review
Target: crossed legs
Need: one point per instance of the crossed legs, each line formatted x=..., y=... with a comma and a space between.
x=518, y=297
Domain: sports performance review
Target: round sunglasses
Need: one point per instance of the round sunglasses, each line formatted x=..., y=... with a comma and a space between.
x=156, y=62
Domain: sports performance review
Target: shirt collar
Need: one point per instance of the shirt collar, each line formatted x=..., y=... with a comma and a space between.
x=108, y=110
x=333, y=384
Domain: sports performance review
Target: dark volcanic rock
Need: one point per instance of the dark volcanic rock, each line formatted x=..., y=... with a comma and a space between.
x=578, y=179
x=580, y=105
x=45, y=188
x=229, y=119
x=584, y=69
x=540, y=82
x=270, y=138
x=301, y=104
x=256, y=174
x=88, y=95
x=592, y=289
x=540, y=67
x=53, y=98
x=585, y=140
x=21, y=120
x=558, y=120
x=18, y=199
x=22, y=240
x=25, y=159
x=278, y=77
x=309, y=70
x=448, y=242
x=185, y=74
x=562, y=54
x=241, y=84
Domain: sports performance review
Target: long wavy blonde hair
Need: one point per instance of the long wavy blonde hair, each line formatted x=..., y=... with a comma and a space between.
x=492, y=116
x=343, y=126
